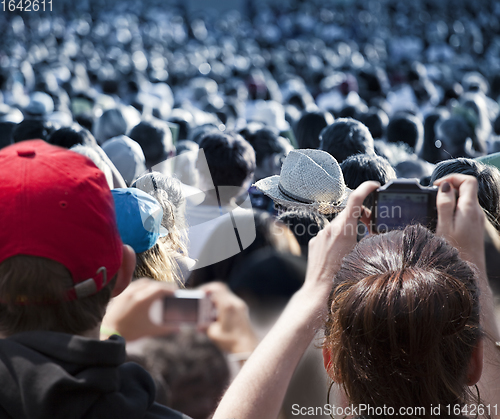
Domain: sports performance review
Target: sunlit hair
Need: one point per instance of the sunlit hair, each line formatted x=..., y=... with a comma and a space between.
x=167, y=191
x=158, y=263
x=403, y=322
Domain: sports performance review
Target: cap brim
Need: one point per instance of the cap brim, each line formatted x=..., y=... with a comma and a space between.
x=269, y=187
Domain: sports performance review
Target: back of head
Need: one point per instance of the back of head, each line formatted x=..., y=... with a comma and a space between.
x=413, y=169
x=92, y=154
x=304, y=225
x=110, y=124
x=6, y=130
x=376, y=120
x=32, y=129
x=268, y=277
x=155, y=139
x=430, y=151
x=184, y=120
x=191, y=368
x=265, y=142
x=488, y=179
x=346, y=137
x=270, y=151
x=309, y=127
x=127, y=156
x=362, y=167
x=197, y=134
x=185, y=146
x=454, y=133
x=67, y=137
x=407, y=129
x=403, y=321
x=230, y=158
x=59, y=243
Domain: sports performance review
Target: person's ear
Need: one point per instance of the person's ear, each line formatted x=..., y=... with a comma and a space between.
x=475, y=364
x=126, y=271
x=327, y=362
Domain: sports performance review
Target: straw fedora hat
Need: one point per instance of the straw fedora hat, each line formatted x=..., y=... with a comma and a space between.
x=309, y=179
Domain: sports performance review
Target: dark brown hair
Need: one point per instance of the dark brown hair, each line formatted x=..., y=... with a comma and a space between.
x=488, y=180
x=403, y=321
x=32, y=297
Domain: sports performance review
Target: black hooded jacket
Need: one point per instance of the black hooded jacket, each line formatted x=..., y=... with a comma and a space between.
x=49, y=375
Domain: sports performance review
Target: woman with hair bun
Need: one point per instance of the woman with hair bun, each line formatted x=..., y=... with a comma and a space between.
x=408, y=319
x=404, y=314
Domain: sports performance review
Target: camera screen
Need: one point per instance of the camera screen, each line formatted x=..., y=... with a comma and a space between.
x=180, y=310
x=397, y=210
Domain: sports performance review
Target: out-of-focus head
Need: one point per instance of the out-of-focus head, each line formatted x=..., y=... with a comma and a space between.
x=362, y=167
x=184, y=119
x=155, y=139
x=403, y=322
x=110, y=124
x=309, y=127
x=407, y=129
x=376, y=120
x=270, y=113
x=127, y=156
x=6, y=130
x=92, y=154
x=69, y=136
x=270, y=151
x=413, y=169
x=230, y=158
x=455, y=137
x=190, y=371
x=304, y=225
x=430, y=150
x=40, y=106
x=32, y=129
x=197, y=134
x=346, y=137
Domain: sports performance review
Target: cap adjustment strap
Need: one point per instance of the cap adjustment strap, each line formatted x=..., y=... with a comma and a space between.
x=89, y=287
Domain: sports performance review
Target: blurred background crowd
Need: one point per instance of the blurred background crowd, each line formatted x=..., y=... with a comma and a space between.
x=383, y=89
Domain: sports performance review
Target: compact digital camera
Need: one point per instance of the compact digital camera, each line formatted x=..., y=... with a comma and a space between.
x=401, y=202
x=184, y=308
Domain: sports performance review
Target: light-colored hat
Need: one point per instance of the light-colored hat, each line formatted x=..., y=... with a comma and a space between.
x=268, y=112
x=127, y=155
x=310, y=179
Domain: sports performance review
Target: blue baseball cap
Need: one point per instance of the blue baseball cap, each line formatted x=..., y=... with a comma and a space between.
x=138, y=216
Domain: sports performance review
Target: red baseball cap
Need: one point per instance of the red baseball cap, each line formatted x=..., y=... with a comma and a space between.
x=56, y=204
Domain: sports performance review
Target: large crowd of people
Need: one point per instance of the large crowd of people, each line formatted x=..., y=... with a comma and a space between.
x=146, y=151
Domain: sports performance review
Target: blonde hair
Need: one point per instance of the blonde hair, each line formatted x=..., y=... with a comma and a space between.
x=167, y=191
x=158, y=263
